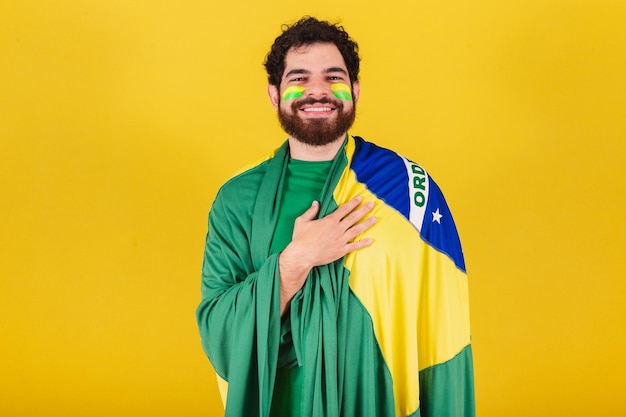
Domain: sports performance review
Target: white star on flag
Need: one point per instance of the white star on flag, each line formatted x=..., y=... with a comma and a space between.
x=437, y=216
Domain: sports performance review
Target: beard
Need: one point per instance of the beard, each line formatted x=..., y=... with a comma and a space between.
x=316, y=132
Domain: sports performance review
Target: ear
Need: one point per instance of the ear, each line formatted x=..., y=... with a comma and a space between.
x=356, y=90
x=272, y=92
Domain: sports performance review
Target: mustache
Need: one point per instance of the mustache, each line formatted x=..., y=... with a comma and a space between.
x=313, y=100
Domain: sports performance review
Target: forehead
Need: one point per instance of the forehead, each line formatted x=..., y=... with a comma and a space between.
x=315, y=57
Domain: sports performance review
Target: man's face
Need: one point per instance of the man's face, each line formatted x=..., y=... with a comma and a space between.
x=315, y=101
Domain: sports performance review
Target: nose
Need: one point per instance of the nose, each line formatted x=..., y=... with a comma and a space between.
x=317, y=88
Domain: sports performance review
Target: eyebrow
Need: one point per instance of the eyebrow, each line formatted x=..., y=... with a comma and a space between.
x=335, y=69
x=297, y=72
x=330, y=70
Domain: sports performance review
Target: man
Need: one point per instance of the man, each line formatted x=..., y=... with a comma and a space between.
x=333, y=282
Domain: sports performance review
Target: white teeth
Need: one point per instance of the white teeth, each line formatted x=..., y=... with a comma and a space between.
x=318, y=109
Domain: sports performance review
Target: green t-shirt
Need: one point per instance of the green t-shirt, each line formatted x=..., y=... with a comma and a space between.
x=303, y=184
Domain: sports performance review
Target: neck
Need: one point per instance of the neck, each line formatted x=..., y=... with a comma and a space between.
x=304, y=152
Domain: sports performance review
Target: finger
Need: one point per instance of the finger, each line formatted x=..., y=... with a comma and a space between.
x=311, y=212
x=359, y=228
x=346, y=208
x=357, y=214
x=359, y=244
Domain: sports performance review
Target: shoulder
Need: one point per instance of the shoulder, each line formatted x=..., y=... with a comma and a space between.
x=371, y=159
x=233, y=207
x=244, y=184
x=397, y=180
x=410, y=190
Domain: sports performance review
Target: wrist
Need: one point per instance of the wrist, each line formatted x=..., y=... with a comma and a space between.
x=292, y=265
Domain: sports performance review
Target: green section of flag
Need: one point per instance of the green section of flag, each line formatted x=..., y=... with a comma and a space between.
x=447, y=389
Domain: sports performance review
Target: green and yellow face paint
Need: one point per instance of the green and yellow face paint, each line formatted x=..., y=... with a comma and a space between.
x=292, y=92
x=342, y=91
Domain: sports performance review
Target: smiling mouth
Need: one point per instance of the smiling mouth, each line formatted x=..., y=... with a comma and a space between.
x=317, y=109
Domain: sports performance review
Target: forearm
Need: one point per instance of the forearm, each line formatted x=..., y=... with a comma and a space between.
x=293, y=273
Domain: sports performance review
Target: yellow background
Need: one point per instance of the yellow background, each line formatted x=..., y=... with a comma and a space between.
x=119, y=120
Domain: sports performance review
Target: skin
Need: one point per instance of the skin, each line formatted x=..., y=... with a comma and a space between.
x=315, y=67
x=318, y=241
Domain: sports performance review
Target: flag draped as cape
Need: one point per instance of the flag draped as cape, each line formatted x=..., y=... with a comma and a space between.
x=381, y=332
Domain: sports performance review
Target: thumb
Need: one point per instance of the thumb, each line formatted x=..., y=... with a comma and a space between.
x=311, y=211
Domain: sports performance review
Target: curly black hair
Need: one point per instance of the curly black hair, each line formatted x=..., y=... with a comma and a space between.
x=307, y=31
